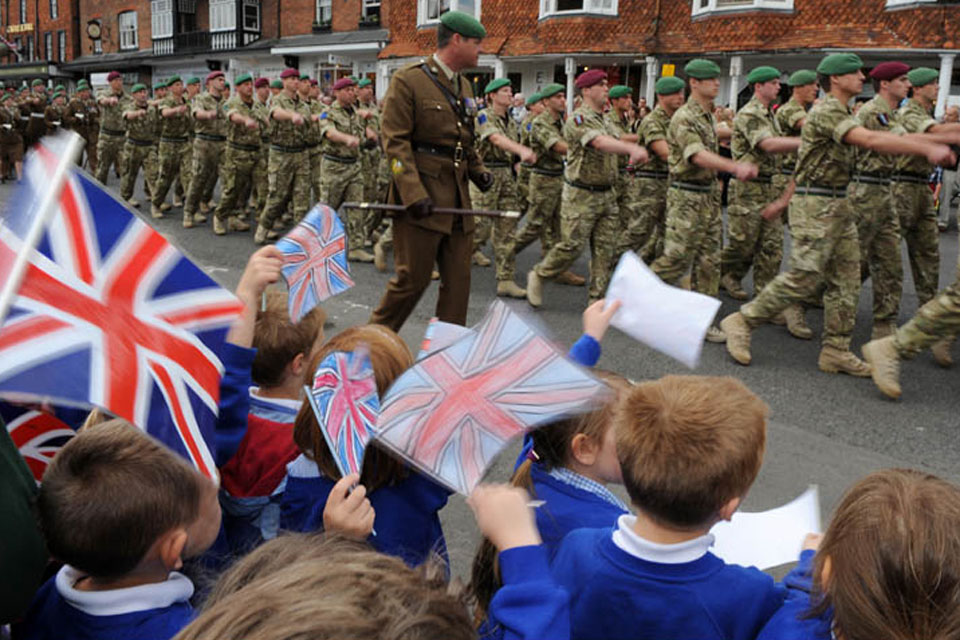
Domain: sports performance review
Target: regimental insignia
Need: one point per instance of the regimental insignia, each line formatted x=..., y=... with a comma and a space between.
x=578, y=119
x=482, y=119
x=324, y=115
x=884, y=120
x=396, y=167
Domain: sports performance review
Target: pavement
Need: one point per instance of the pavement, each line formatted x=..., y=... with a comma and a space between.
x=824, y=429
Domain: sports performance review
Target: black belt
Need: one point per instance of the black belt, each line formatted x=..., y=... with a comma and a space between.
x=311, y=145
x=140, y=143
x=438, y=150
x=267, y=140
x=595, y=188
x=244, y=147
x=496, y=165
x=176, y=140
x=339, y=159
x=524, y=165
x=283, y=149
x=788, y=167
x=696, y=187
x=915, y=178
x=547, y=172
x=826, y=191
x=870, y=178
x=113, y=132
x=657, y=175
x=763, y=178
x=786, y=172
x=211, y=138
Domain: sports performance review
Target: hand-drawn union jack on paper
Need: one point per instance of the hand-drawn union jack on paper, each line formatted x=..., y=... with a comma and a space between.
x=345, y=402
x=110, y=314
x=452, y=412
x=315, y=261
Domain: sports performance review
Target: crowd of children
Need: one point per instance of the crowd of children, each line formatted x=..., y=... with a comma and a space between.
x=301, y=552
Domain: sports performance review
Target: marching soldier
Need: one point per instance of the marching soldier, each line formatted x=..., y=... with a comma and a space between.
x=36, y=104
x=53, y=114
x=371, y=158
x=75, y=118
x=112, y=103
x=628, y=193
x=174, y=158
x=207, y=147
x=534, y=106
x=140, y=149
x=588, y=212
x=241, y=158
x=310, y=110
x=11, y=140
x=790, y=118
x=258, y=186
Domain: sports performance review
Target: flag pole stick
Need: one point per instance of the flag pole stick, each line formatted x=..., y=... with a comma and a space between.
x=492, y=213
x=45, y=211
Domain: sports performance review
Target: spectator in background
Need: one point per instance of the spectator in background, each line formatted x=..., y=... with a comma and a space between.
x=519, y=110
x=950, y=186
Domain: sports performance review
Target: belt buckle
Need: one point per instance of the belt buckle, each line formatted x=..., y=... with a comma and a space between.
x=458, y=155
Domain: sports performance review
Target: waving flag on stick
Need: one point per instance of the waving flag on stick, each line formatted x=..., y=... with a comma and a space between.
x=345, y=402
x=315, y=260
x=108, y=313
x=452, y=412
x=38, y=435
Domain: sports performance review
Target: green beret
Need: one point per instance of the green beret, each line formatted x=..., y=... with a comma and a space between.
x=464, y=24
x=173, y=79
x=802, y=77
x=668, y=85
x=244, y=78
x=57, y=94
x=620, y=91
x=364, y=82
x=36, y=83
x=532, y=99
x=495, y=84
x=138, y=87
x=159, y=84
x=838, y=64
x=276, y=84
x=304, y=76
x=59, y=87
x=551, y=90
x=763, y=74
x=226, y=85
x=702, y=69
x=193, y=80
x=82, y=85
x=922, y=76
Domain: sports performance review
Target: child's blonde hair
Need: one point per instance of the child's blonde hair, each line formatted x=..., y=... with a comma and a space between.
x=893, y=552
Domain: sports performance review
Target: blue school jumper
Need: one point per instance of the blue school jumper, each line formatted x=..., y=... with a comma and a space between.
x=790, y=622
x=407, y=523
x=148, y=612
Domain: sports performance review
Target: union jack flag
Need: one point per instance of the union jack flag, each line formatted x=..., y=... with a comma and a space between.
x=110, y=314
x=344, y=400
x=315, y=261
x=452, y=412
x=37, y=434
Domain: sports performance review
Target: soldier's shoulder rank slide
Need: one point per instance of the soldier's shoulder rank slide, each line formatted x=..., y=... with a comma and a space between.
x=884, y=120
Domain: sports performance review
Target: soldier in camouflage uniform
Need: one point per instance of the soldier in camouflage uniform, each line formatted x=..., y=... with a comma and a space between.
x=371, y=159
x=287, y=170
x=207, y=146
x=139, y=151
x=75, y=118
x=588, y=211
x=241, y=158
x=534, y=106
x=694, y=226
x=113, y=130
x=790, y=117
x=497, y=143
x=645, y=235
x=755, y=230
x=628, y=192
x=824, y=246
x=258, y=186
x=174, y=155
x=309, y=108
x=342, y=132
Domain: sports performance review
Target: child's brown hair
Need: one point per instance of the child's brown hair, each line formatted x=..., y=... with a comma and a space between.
x=390, y=356
x=278, y=340
x=328, y=587
x=893, y=551
x=688, y=445
x=109, y=494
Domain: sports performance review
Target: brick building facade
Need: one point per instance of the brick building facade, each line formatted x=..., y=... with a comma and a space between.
x=43, y=36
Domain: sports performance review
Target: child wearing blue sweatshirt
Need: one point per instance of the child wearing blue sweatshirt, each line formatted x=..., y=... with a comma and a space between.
x=406, y=503
x=122, y=512
x=887, y=567
x=689, y=448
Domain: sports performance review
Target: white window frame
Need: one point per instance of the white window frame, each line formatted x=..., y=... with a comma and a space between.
x=223, y=15
x=243, y=14
x=62, y=45
x=128, y=30
x=48, y=46
x=23, y=11
x=54, y=10
x=423, y=10
x=548, y=8
x=31, y=48
x=161, y=19
x=321, y=5
x=711, y=7
x=908, y=4
x=369, y=4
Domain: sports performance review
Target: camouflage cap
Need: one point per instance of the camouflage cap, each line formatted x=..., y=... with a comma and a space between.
x=463, y=23
x=702, y=69
x=922, y=76
x=802, y=78
x=763, y=74
x=551, y=90
x=838, y=64
x=495, y=85
x=668, y=85
x=620, y=91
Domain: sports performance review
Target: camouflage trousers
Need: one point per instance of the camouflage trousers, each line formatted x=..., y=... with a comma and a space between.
x=504, y=188
x=523, y=188
x=238, y=167
x=370, y=163
x=287, y=181
x=315, y=167
x=879, y=233
x=825, y=250
x=543, y=214
x=502, y=195
x=646, y=230
x=913, y=204
x=206, y=162
x=136, y=156
x=259, y=187
x=937, y=319
x=109, y=154
x=694, y=231
x=175, y=162
x=92, y=139
x=341, y=182
x=585, y=216
x=750, y=238
x=628, y=204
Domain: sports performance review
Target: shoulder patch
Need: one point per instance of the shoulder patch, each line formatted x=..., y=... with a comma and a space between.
x=396, y=167
x=324, y=115
x=529, y=126
x=482, y=118
x=884, y=120
x=578, y=119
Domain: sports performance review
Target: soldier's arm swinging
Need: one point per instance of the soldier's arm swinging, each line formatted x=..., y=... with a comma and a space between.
x=609, y=144
x=341, y=138
x=526, y=153
x=711, y=160
x=282, y=115
x=884, y=142
x=661, y=148
x=779, y=144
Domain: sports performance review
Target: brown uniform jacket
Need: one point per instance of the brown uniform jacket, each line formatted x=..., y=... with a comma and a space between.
x=416, y=112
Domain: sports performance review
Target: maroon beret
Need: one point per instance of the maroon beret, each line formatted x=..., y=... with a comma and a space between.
x=289, y=73
x=590, y=78
x=213, y=75
x=342, y=83
x=889, y=70
x=261, y=82
x=313, y=82
x=113, y=75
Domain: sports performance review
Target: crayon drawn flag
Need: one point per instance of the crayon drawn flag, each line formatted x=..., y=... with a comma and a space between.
x=345, y=402
x=454, y=411
x=110, y=314
x=315, y=261
x=438, y=335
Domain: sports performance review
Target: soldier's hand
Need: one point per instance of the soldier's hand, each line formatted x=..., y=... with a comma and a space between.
x=252, y=124
x=528, y=156
x=639, y=155
x=353, y=142
x=421, y=209
x=369, y=144
x=297, y=119
x=744, y=171
x=484, y=181
x=942, y=155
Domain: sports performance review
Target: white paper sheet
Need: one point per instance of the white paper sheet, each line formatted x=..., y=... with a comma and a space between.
x=768, y=538
x=673, y=321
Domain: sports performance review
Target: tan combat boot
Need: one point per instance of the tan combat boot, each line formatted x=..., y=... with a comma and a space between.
x=236, y=224
x=199, y=218
x=165, y=207
x=738, y=337
x=882, y=330
x=885, y=365
x=187, y=220
x=733, y=287
x=571, y=279
x=715, y=335
x=796, y=321
x=685, y=282
x=133, y=202
x=177, y=202
x=510, y=289
x=219, y=228
x=941, y=352
x=156, y=212
x=534, y=289
x=204, y=208
x=480, y=260
x=359, y=255
x=260, y=237
x=834, y=360
x=380, y=257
